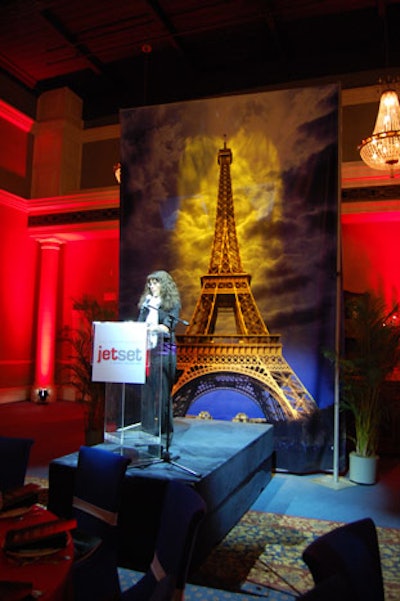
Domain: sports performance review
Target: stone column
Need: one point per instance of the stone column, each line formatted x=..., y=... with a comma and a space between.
x=44, y=387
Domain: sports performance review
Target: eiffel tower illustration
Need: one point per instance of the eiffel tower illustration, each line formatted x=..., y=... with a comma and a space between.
x=227, y=344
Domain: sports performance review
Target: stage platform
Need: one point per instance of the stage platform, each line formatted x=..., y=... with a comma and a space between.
x=232, y=462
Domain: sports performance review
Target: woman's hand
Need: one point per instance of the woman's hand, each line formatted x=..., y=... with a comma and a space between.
x=158, y=329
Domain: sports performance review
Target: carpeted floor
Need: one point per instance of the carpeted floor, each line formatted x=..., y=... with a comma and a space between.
x=194, y=592
x=264, y=551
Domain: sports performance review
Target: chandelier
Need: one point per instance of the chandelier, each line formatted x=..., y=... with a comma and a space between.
x=117, y=172
x=382, y=149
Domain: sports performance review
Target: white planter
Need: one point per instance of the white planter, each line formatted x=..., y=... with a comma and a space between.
x=362, y=470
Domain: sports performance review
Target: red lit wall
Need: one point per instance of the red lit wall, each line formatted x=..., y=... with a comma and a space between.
x=15, y=150
x=18, y=256
x=89, y=267
x=370, y=247
x=13, y=157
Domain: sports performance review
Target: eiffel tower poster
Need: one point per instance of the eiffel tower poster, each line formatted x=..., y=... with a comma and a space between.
x=240, y=354
x=281, y=253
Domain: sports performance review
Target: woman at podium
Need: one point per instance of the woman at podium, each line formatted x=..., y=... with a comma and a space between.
x=159, y=306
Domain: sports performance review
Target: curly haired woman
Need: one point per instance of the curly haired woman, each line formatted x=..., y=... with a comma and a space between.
x=159, y=306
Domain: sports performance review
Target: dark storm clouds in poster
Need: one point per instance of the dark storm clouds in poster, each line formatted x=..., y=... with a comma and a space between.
x=285, y=190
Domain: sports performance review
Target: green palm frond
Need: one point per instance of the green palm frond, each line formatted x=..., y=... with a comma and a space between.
x=372, y=353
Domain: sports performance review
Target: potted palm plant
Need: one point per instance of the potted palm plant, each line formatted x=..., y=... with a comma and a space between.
x=372, y=351
x=78, y=372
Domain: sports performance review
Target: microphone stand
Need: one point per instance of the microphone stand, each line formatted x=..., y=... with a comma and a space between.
x=166, y=455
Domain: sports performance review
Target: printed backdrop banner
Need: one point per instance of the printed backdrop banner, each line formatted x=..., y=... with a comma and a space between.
x=284, y=177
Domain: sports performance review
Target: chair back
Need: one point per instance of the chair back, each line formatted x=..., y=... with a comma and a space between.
x=352, y=552
x=97, y=495
x=98, y=489
x=182, y=512
x=14, y=459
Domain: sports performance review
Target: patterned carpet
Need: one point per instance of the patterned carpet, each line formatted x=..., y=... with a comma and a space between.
x=264, y=551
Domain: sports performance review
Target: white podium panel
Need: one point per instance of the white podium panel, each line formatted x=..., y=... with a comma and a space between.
x=133, y=365
x=119, y=352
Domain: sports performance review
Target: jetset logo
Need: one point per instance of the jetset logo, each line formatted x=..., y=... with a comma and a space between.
x=119, y=355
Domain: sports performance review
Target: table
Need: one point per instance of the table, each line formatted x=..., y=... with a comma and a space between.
x=49, y=574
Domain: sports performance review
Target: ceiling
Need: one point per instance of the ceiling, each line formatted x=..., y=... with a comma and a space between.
x=135, y=52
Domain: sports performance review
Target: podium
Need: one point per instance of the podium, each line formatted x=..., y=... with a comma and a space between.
x=132, y=362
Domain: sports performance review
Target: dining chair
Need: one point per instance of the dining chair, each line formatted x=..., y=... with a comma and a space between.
x=97, y=496
x=14, y=459
x=351, y=552
x=182, y=511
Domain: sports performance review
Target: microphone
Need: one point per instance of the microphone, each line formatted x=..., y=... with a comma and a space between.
x=147, y=301
x=177, y=319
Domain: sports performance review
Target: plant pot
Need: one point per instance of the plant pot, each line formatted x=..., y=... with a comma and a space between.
x=362, y=470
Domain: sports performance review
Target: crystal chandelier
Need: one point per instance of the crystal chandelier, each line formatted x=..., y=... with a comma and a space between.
x=382, y=149
x=117, y=172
